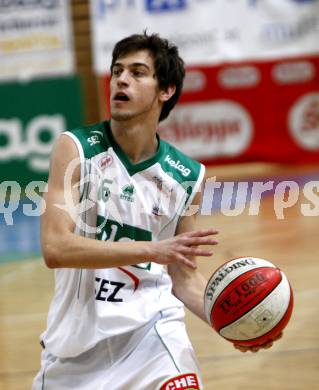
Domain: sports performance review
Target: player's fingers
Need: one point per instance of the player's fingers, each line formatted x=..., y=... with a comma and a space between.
x=254, y=349
x=240, y=348
x=200, y=233
x=268, y=345
x=185, y=261
x=204, y=232
x=279, y=336
x=243, y=348
x=195, y=241
x=195, y=251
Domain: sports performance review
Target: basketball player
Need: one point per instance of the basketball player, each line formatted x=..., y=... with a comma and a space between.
x=117, y=233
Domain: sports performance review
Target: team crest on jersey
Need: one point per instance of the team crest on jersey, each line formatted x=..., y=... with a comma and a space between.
x=105, y=161
x=128, y=193
x=93, y=140
x=186, y=382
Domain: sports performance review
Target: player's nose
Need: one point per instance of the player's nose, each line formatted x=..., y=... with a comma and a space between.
x=123, y=78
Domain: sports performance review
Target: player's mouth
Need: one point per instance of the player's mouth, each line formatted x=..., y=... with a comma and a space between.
x=120, y=97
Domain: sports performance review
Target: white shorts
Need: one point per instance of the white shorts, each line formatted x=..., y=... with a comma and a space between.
x=156, y=356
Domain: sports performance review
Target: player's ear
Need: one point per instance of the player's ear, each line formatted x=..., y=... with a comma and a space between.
x=167, y=94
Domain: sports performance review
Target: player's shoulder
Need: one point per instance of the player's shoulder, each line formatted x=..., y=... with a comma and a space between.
x=89, y=133
x=179, y=165
x=91, y=138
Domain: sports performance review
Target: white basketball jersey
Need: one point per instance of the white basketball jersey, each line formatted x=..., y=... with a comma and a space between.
x=120, y=201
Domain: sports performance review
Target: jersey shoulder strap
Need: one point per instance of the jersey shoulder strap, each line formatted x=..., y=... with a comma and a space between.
x=187, y=172
x=91, y=138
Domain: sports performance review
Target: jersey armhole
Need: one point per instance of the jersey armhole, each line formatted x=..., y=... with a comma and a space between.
x=82, y=160
x=196, y=187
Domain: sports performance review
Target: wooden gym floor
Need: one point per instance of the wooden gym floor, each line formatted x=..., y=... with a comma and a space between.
x=292, y=243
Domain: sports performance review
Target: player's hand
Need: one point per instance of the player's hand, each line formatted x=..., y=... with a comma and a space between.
x=255, y=349
x=182, y=248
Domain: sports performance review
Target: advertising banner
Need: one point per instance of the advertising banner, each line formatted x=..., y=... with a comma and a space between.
x=252, y=85
x=210, y=31
x=35, y=39
x=32, y=115
x=249, y=111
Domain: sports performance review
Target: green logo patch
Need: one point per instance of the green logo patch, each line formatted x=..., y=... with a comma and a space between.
x=128, y=193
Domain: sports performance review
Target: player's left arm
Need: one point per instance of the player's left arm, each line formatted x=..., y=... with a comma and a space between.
x=189, y=284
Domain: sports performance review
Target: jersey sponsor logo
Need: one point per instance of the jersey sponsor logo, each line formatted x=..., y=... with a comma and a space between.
x=186, y=382
x=128, y=193
x=177, y=165
x=106, y=161
x=108, y=290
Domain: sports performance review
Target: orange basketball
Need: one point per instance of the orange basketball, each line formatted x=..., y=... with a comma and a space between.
x=248, y=301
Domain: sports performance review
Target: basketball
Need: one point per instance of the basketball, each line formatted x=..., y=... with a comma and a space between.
x=248, y=301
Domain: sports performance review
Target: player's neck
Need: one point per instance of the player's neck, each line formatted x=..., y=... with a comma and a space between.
x=137, y=140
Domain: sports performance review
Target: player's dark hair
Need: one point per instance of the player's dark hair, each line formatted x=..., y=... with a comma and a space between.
x=169, y=66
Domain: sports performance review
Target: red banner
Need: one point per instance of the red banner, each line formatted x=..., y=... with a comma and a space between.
x=248, y=111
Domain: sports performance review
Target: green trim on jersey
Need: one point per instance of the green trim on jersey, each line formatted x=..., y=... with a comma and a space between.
x=118, y=231
x=130, y=167
x=98, y=137
x=165, y=346
x=181, y=167
x=115, y=231
x=92, y=139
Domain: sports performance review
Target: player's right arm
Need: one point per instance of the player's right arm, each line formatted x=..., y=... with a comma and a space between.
x=62, y=248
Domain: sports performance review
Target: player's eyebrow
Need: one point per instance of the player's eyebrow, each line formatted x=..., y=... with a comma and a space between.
x=132, y=65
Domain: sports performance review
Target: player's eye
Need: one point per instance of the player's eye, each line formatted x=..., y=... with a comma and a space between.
x=116, y=72
x=138, y=73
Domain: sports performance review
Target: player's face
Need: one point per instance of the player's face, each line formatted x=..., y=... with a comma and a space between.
x=134, y=87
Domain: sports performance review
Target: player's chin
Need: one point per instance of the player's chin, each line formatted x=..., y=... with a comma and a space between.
x=121, y=115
